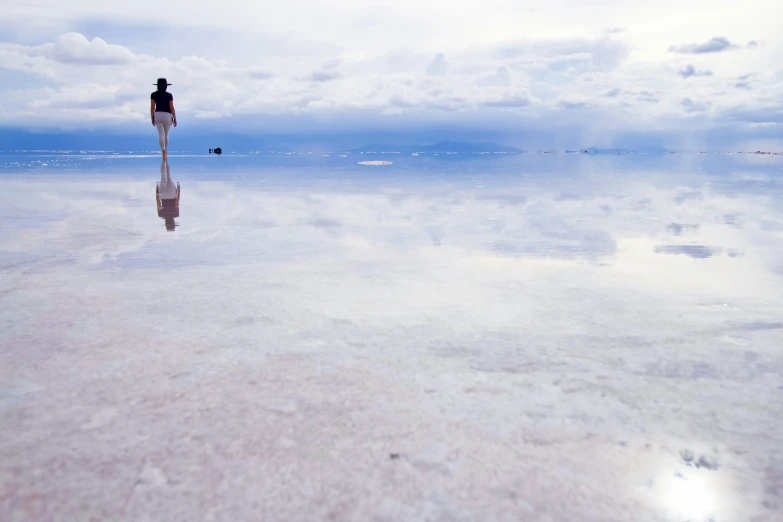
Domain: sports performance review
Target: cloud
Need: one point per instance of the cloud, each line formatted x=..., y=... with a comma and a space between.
x=324, y=76
x=744, y=81
x=689, y=70
x=647, y=96
x=571, y=105
x=715, y=44
x=445, y=101
x=503, y=75
x=763, y=114
x=398, y=100
x=499, y=78
x=259, y=73
x=518, y=98
x=575, y=83
x=569, y=55
x=438, y=66
x=74, y=48
x=694, y=106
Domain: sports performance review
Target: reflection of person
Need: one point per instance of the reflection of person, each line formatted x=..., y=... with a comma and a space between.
x=167, y=197
x=162, y=113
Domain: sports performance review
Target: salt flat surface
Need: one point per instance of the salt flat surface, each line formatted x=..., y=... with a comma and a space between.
x=522, y=338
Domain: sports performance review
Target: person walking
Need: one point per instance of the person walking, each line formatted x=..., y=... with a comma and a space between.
x=163, y=114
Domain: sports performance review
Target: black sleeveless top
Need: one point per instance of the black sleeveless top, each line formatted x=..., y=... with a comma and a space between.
x=162, y=100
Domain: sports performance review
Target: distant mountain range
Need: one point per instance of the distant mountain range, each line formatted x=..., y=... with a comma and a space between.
x=462, y=147
x=201, y=141
x=442, y=147
x=595, y=150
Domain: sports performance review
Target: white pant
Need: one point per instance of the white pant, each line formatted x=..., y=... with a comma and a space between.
x=163, y=121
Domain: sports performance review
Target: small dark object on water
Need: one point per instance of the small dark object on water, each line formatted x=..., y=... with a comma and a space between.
x=216, y=151
x=394, y=456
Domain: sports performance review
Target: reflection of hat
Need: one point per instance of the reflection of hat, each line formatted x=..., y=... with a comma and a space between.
x=161, y=81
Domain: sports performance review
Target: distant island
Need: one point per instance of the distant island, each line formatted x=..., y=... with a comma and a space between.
x=596, y=150
x=443, y=147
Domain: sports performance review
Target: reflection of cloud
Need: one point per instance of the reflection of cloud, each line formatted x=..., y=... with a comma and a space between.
x=549, y=235
x=678, y=228
x=762, y=326
x=435, y=234
x=548, y=349
x=568, y=245
x=715, y=44
x=772, y=226
x=694, y=251
x=688, y=195
x=505, y=199
x=11, y=260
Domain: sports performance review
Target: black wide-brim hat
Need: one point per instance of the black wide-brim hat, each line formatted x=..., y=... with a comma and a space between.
x=161, y=81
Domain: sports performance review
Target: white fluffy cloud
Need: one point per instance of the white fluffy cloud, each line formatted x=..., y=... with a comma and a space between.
x=454, y=60
x=438, y=66
x=689, y=70
x=74, y=48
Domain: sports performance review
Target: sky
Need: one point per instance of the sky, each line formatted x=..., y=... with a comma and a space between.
x=682, y=74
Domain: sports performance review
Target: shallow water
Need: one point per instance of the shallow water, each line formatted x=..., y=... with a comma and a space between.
x=537, y=337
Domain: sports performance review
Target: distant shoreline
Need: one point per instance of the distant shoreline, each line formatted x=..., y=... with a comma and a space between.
x=355, y=153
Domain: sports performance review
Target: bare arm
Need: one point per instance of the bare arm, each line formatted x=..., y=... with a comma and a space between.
x=177, y=196
x=173, y=112
x=152, y=111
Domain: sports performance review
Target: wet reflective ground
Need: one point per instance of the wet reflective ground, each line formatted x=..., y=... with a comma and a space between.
x=271, y=337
